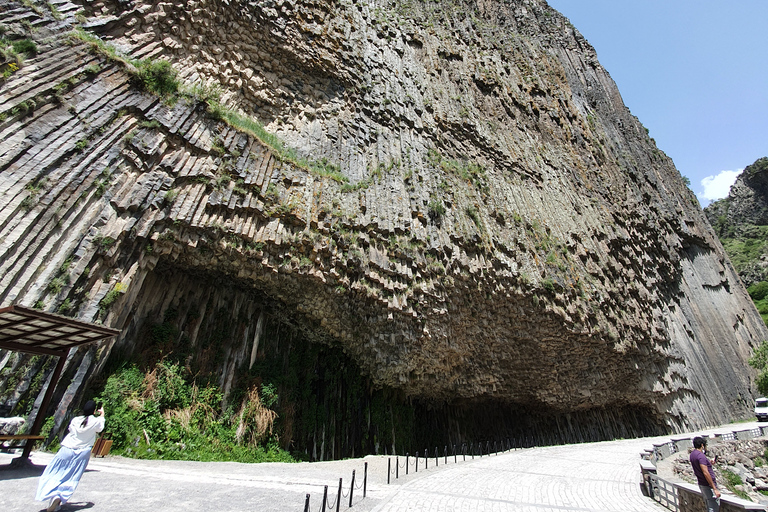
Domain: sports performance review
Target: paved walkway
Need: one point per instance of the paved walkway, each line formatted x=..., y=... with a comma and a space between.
x=580, y=478
x=587, y=477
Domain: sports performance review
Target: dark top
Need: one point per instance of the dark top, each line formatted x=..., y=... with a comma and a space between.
x=697, y=459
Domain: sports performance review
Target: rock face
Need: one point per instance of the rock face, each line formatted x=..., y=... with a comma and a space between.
x=471, y=213
x=743, y=217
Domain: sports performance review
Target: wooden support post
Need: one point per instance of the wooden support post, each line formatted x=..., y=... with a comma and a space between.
x=37, y=426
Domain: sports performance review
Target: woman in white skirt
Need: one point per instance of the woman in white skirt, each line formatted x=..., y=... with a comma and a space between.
x=61, y=476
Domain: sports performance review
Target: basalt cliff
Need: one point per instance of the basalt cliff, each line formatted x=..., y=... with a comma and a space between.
x=448, y=199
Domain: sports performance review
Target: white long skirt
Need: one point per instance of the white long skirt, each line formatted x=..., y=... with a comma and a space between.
x=61, y=476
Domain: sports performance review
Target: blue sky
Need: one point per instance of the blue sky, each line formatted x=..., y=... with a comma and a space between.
x=694, y=72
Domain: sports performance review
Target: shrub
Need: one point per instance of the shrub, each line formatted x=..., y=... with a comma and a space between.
x=759, y=361
x=164, y=414
x=436, y=209
x=25, y=46
x=758, y=291
x=157, y=76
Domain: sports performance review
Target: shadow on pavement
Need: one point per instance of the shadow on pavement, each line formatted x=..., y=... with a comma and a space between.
x=29, y=470
x=77, y=506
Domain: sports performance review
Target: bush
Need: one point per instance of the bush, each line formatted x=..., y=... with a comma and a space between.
x=436, y=209
x=758, y=291
x=164, y=414
x=25, y=46
x=157, y=76
x=759, y=361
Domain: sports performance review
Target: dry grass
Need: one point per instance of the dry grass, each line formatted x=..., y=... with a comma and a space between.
x=254, y=420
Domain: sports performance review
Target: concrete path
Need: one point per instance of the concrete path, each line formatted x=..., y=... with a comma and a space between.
x=585, y=477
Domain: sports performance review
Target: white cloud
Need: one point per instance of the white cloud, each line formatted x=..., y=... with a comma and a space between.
x=717, y=187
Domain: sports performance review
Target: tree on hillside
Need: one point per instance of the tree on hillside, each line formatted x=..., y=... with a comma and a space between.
x=759, y=361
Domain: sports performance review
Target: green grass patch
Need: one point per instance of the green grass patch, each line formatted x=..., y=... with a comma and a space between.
x=159, y=77
x=731, y=481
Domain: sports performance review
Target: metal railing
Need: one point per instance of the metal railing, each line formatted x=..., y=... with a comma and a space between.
x=663, y=492
x=458, y=453
x=666, y=493
x=335, y=504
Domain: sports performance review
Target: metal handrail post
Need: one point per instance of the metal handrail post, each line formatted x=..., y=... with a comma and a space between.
x=351, y=488
x=325, y=498
x=338, y=498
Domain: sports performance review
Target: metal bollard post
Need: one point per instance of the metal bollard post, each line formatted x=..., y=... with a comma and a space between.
x=389, y=469
x=306, y=504
x=365, y=480
x=417, y=462
x=397, y=467
x=338, y=498
x=426, y=459
x=454, y=454
x=464, y=451
x=445, y=453
x=407, y=462
x=437, y=457
x=325, y=498
x=351, y=488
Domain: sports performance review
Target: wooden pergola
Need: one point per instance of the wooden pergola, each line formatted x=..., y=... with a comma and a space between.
x=24, y=329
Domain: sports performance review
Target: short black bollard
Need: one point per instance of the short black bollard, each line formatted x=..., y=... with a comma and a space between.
x=389, y=469
x=464, y=450
x=454, y=455
x=437, y=457
x=365, y=479
x=325, y=498
x=417, y=462
x=445, y=453
x=351, y=488
x=407, y=462
x=397, y=467
x=338, y=498
x=426, y=459
x=306, y=504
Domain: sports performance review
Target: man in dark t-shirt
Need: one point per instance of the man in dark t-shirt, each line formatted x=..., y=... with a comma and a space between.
x=705, y=475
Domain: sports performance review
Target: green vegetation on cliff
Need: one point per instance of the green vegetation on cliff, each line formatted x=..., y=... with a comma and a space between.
x=741, y=223
x=164, y=414
x=759, y=361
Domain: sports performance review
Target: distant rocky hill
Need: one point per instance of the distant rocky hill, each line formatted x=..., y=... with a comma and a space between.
x=419, y=220
x=741, y=222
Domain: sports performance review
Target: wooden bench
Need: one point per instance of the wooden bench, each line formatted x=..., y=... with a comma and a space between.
x=9, y=437
x=20, y=437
